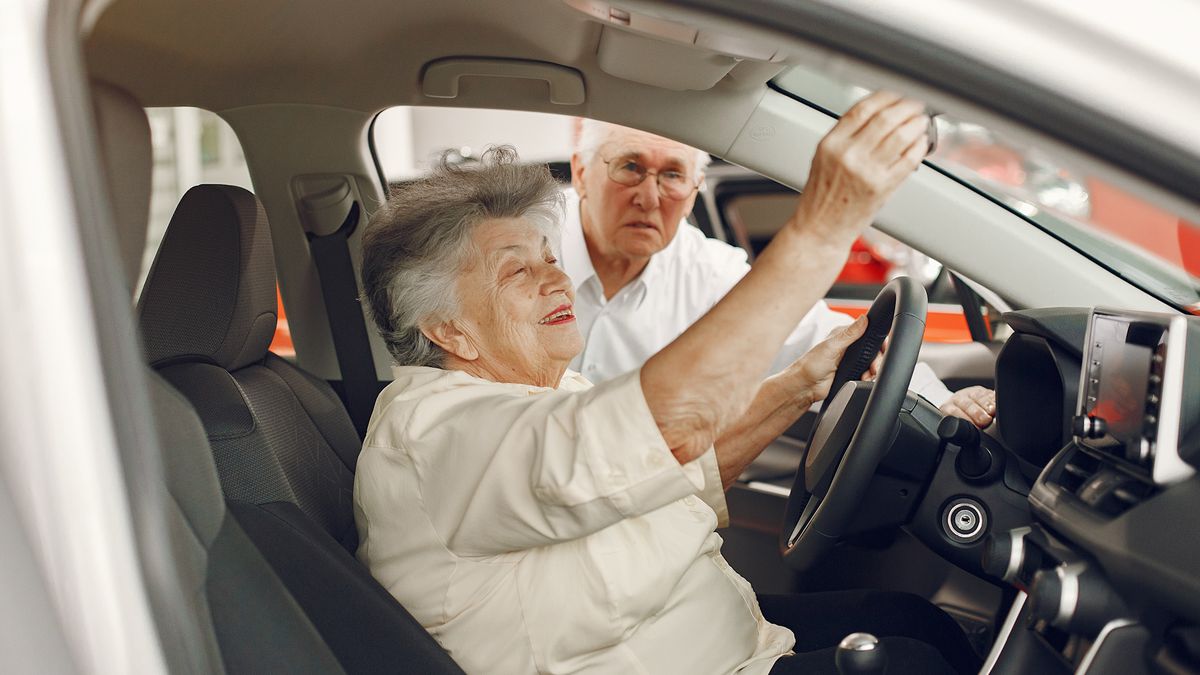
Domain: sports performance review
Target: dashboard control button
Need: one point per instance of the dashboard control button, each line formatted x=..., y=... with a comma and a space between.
x=1143, y=451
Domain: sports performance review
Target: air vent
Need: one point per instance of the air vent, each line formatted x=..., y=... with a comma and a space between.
x=1101, y=484
x=1078, y=469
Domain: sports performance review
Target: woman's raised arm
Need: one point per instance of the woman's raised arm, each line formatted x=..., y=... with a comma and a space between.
x=701, y=382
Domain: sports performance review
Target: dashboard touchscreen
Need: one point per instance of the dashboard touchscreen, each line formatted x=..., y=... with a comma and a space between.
x=1131, y=393
x=1124, y=384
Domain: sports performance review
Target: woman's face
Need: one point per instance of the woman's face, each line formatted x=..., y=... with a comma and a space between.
x=515, y=302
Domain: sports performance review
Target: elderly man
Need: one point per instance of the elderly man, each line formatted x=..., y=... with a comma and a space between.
x=644, y=274
x=534, y=523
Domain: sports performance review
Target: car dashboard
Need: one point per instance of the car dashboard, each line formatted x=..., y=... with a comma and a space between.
x=1100, y=409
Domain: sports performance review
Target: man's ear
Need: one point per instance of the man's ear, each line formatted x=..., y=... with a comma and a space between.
x=691, y=201
x=448, y=336
x=577, y=168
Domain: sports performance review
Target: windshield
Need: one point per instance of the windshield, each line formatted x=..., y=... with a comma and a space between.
x=1151, y=248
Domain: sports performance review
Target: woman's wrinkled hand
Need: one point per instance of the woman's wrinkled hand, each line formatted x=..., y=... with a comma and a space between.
x=860, y=163
x=816, y=368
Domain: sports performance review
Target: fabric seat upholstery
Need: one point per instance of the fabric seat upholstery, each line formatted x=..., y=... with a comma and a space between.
x=270, y=589
x=208, y=314
x=205, y=572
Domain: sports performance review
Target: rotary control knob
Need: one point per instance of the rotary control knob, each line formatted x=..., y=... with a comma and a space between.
x=1046, y=596
x=1006, y=556
x=1074, y=597
x=1089, y=426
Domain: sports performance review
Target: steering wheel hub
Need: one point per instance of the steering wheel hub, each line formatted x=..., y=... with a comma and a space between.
x=832, y=435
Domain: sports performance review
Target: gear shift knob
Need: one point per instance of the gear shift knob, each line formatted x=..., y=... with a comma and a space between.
x=860, y=654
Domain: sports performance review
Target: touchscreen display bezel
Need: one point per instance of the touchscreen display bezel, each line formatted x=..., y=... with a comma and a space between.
x=1124, y=369
x=1163, y=462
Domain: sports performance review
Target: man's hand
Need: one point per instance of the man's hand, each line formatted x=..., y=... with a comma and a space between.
x=860, y=163
x=975, y=404
x=814, y=371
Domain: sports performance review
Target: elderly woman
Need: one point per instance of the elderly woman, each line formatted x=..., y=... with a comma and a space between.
x=534, y=523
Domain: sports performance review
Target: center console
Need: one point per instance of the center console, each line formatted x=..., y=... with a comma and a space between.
x=1107, y=579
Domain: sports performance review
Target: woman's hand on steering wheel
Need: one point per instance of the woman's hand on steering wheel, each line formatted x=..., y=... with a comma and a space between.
x=855, y=428
x=814, y=371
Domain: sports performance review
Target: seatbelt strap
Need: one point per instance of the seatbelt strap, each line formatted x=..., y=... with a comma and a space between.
x=339, y=287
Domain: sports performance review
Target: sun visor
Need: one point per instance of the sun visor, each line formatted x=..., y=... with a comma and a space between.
x=673, y=54
x=661, y=64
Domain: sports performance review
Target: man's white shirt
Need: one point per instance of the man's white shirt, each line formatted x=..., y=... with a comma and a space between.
x=679, y=285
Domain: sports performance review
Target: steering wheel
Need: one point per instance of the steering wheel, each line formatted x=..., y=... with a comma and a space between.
x=856, y=425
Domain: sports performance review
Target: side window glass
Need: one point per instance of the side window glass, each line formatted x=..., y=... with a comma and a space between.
x=408, y=141
x=193, y=147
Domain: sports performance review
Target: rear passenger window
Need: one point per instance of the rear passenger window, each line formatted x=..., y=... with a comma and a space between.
x=192, y=147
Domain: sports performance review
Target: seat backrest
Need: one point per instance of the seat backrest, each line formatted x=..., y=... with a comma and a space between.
x=252, y=588
x=215, y=598
x=208, y=313
x=283, y=444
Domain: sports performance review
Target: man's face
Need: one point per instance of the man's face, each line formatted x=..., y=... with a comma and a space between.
x=632, y=221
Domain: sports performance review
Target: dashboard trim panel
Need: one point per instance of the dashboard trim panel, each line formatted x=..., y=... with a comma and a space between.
x=1010, y=622
x=1090, y=657
x=1169, y=467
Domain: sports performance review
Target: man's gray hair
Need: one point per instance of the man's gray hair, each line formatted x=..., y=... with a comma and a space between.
x=417, y=244
x=594, y=133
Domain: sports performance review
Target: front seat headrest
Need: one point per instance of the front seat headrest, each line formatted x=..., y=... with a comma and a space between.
x=124, y=138
x=210, y=295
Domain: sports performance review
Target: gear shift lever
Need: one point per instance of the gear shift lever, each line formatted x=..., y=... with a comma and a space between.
x=860, y=654
x=974, y=461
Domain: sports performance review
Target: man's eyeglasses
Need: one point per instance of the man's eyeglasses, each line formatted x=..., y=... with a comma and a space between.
x=672, y=183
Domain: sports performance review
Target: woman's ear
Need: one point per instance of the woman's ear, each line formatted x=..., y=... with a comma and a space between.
x=448, y=336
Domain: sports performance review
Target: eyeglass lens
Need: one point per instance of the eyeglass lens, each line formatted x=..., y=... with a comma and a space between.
x=672, y=183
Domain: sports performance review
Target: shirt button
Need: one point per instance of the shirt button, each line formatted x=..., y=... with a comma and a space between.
x=656, y=461
x=689, y=500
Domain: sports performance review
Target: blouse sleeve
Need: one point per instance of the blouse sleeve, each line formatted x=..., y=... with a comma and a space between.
x=503, y=472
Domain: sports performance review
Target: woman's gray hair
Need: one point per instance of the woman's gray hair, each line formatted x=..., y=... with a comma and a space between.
x=595, y=133
x=417, y=244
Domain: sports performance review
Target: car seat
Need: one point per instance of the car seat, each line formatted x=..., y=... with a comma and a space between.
x=240, y=586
